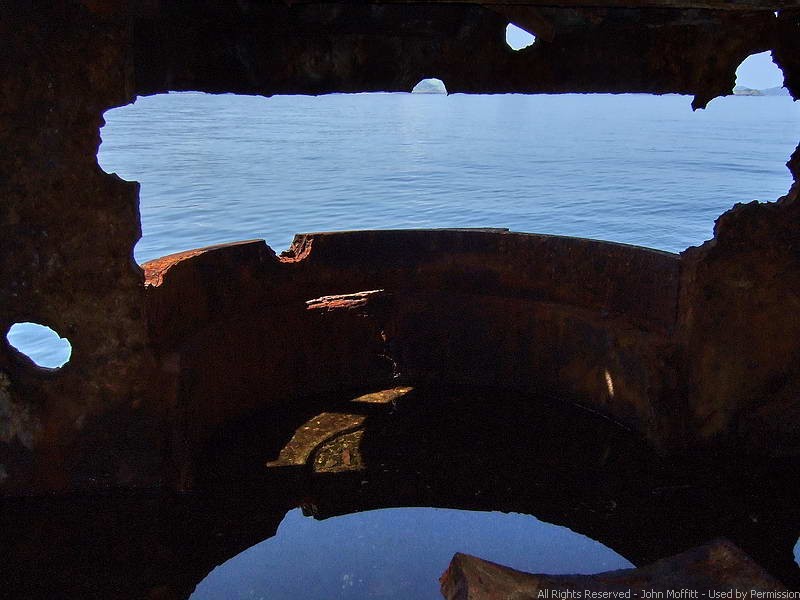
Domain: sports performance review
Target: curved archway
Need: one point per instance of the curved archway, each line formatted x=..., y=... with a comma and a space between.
x=396, y=553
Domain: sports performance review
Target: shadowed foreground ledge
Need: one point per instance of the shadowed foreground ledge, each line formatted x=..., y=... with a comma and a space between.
x=717, y=567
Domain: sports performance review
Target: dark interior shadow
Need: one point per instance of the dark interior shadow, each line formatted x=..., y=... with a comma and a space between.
x=489, y=449
x=466, y=448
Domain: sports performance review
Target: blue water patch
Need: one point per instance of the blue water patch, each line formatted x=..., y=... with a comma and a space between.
x=395, y=553
x=638, y=169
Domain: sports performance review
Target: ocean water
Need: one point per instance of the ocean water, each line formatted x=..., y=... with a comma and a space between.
x=638, y=169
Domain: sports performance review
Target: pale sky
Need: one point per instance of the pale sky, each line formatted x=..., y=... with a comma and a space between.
x=759, y=72
x=518, y=38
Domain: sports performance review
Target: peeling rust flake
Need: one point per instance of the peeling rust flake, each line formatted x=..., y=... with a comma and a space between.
x=343, y=301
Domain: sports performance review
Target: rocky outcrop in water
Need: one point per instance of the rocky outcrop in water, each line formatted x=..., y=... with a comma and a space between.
x=429, y=86
x=740, y=90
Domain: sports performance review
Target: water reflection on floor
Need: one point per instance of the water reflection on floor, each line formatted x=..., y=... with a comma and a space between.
x=396, y=553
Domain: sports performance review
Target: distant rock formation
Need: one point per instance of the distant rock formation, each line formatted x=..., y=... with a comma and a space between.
x=430, y=86
x=776, y=91
x=741, y=90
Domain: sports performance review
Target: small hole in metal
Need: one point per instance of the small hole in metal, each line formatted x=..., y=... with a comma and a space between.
x=517, y=38
x=40, y=344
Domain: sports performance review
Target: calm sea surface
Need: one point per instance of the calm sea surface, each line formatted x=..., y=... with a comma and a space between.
x=636, y=169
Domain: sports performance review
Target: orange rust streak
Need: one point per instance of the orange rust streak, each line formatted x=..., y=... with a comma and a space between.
x=154, y=270
x=343, y=301
x=334, y=304
x=299, y=250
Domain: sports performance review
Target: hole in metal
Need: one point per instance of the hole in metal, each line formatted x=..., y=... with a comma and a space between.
x=40, y=344
x=759, y=76
x=517, y=38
